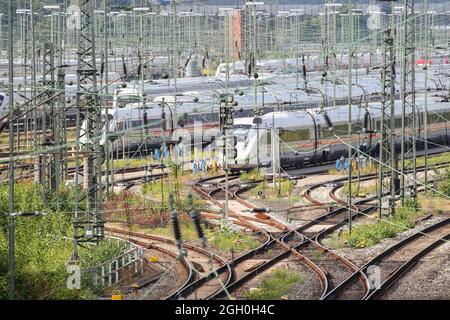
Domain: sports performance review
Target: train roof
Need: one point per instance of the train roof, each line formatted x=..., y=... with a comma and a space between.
x=339, y=114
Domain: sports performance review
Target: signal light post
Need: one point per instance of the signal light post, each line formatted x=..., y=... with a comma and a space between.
x=226, y=123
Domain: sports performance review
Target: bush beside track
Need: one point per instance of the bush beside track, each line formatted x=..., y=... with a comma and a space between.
x=43, y=246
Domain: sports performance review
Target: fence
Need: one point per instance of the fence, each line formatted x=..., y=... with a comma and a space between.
x=109, y=273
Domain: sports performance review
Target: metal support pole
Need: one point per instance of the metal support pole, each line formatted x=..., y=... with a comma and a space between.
x=34, y=92
x=350, y=129
x=106, y=91
x=11, y=260
x=274, y=159
x=174, y=40
x=89, y=227
x=227, y=169
x=425, y=113
x=409, y=115
x=387, y=174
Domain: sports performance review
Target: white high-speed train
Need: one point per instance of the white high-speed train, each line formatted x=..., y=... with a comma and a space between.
x=305, y=137
x=138, y=123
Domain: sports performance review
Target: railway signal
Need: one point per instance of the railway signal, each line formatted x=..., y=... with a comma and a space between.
x=226, y=111
x=231, y=152
x=226, y=117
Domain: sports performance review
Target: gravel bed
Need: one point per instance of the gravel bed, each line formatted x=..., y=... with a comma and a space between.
x=279, y=210
x=271, y=252
x=429, y=279
x=322, y=194
x=170, y=279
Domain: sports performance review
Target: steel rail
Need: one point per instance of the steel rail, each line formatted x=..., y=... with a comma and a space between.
x=401, y=270
x=208, y=254
x=288, y=250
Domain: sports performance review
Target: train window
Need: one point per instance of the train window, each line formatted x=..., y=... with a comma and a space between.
x=136, y=123
x=447, y=115
x=122, y=101
x=341, y=129
x=241, y=131
x=326, y=133
x=295, y=135
x=378, y=125
x=154, y=124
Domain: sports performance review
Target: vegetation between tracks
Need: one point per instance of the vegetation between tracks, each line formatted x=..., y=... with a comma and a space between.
x=251, y=175
x=444, y=185
x=158, y=192
x=275, y=286
x=361, y=189
x=368, y=234
x=284, y=189
x=437, y=159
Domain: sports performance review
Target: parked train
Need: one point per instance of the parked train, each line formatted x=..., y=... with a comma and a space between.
x=305, y=136
x=137, y=124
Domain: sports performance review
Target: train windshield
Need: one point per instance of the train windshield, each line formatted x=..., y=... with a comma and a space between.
x=241, y=131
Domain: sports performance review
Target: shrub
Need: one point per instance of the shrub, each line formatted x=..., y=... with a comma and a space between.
x=444, y=186
x=228, y=240
x=43, y=246
x=253, y=174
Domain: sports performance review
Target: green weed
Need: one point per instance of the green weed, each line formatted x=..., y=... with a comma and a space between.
x=276, y=285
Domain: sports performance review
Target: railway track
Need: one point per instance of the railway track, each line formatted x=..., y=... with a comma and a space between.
x=198, y=262
x=391, y=269
x=214, y=191
x=304, y=242
x=272, y=251
x=333, y=185
x=335, y=268
x=297, y=242
x=393, y=263
x=331, y=269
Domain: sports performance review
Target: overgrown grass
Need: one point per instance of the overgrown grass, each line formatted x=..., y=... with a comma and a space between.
x=367, y=235
x=186, y=226
x=156, y=190
x=43, y=248
x=284, y=189
x=131, y=163
x=159, y=191
x=434, y=204
x=444, y=185
x=253, y=174
x=237, y=241
x=443, y=157
x=131, y=207
x=276, y=285
x=363, y=188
